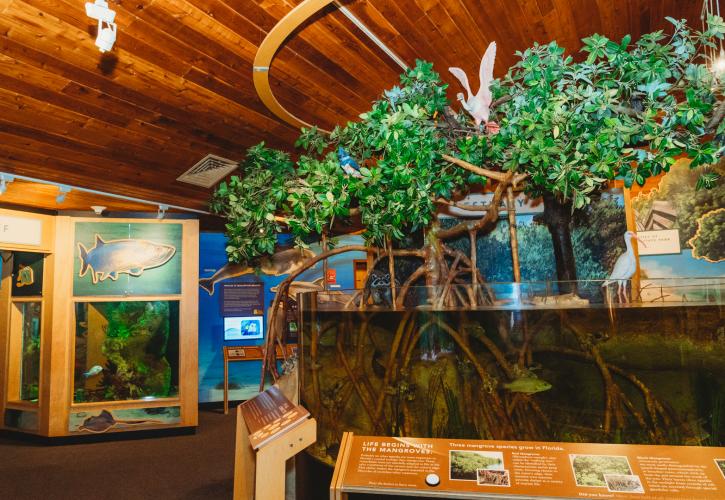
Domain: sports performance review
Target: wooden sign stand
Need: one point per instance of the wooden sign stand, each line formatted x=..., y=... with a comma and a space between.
x=261, y=475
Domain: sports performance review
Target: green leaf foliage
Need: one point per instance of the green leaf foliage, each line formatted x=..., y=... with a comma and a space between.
x=626, y=109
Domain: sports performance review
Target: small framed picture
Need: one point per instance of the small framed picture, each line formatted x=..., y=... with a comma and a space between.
x=243, y=327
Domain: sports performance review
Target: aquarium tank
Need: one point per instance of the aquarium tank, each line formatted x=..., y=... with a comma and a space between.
x=126, y=350
x=541, y=361
x=30, y=359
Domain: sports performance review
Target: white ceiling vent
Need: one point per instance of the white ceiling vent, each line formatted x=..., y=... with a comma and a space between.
x=208, y=171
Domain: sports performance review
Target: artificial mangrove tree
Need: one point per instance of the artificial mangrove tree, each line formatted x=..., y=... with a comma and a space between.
x=566, y=128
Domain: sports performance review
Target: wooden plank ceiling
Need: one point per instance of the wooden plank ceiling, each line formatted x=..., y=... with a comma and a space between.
x=178, y=83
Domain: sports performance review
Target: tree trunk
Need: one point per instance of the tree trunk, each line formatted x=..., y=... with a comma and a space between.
x=557, y=217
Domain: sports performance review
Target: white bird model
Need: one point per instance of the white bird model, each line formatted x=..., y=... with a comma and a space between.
x=478, y=106
x=624, y=267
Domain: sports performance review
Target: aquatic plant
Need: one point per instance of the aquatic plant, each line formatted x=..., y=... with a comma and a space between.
x=134, y=345
x=137, y=336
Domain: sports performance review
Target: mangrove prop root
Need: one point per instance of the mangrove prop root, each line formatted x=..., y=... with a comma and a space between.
x=655, y=409
x=364, y=398
x=404, y=325
x=415, y=276
x=610, y=394
x=500, y=422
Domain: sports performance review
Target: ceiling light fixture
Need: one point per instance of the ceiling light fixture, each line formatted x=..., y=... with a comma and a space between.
x=62, y=192
x=372, y=36
x=162, y=211
x=106, y=36
x=11, y=177
x=5, y=179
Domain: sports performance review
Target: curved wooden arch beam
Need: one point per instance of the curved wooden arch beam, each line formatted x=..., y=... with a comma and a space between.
x=268, y=49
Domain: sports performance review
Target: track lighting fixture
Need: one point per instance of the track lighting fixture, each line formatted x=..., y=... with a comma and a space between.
x=106, y=36
x=98, y=209
x=5, y=179
x=62, y=192
x=162, y=211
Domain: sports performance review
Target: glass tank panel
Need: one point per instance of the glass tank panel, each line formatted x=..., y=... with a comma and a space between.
x=126, y=350
x=518, y=361
x=30, y=358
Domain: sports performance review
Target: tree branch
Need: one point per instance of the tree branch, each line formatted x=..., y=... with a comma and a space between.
x=716, y=118
x=485, y=172
x=490, y=217
x=624, y=110
x=501, y=100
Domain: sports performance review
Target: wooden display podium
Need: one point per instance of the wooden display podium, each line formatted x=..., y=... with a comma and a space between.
x=270, y=430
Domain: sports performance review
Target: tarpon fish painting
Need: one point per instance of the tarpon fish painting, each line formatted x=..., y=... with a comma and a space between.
x=277, y=264
x=108, y=259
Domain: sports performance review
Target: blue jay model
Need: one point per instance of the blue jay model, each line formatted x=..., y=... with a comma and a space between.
x=348, y=164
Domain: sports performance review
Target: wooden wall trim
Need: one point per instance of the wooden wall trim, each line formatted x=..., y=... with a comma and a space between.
x=56, y=358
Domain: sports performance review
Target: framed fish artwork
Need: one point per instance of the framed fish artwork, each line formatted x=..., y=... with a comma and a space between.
x=127, y=258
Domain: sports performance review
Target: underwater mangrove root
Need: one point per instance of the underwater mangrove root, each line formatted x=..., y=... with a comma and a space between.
x=363, y=395
x=498, y=422
x=404, y=330
x=523, y=407
x=657, y=417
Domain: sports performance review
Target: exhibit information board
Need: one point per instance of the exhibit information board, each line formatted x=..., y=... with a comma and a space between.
x=466, y=468
x=270, y=413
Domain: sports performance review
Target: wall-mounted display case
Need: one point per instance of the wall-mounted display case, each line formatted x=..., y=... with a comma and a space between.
x=98, y=327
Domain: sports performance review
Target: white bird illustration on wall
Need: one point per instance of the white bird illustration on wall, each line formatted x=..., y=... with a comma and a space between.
x=478, y=105
x=624, y=267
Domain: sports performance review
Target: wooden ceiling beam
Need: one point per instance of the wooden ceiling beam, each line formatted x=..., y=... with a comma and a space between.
x=226, y=25
x=66, y=172
x=154, y=98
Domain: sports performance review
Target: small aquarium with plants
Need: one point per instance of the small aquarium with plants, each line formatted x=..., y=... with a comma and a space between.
x=30, y=360
x=126, y=350
x=519, y=361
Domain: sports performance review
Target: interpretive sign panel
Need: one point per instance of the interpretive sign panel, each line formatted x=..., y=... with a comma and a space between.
x=242, y=299
x=530, y=469
x=662, y=242
x=269, y=414
x=20, y=230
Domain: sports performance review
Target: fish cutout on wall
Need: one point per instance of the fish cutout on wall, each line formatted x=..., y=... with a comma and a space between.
x=26, y=277
x=105, y=421
x=108, y=259
x=297, y=287
x=301, y=287
x=277, y=264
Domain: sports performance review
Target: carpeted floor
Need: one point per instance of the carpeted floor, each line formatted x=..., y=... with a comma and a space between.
x=170, y=467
